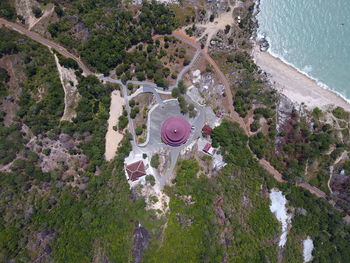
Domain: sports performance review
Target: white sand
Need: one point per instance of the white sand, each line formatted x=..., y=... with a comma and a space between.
x=295, y=85
x=113, y=137
x=278, y=207
x=308, y=247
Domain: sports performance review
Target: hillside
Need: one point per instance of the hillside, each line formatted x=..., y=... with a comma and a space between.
x=73, y=71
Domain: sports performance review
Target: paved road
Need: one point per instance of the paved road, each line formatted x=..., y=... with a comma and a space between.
x=147, y=89
x=177, y=34
x=185, y=69
x=192, y=42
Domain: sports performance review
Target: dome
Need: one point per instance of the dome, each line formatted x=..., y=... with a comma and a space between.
x=175, y=131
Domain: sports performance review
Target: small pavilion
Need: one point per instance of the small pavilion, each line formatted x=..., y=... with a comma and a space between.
x=136, y=170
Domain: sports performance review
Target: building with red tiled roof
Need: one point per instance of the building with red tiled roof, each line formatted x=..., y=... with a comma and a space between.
x=207, y=130
x=208, y=149
x=136, y=170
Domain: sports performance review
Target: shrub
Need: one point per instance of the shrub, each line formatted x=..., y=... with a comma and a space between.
x=47, y=151
x=211, y=18
x=182, y=87
x=175, y=92
x=58, y=10
x=227, y=29
x=123, y=122
x=150, y=179
x=132, y=103
x=139, y=130
x=7, y=10
x=155, y=161
x=134, y=112
x=130, y=86
x=37, y=12
x=4, y=76
x=340, y=113
x=255, y=126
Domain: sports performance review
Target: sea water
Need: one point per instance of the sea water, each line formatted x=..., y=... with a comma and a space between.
x=311, y=35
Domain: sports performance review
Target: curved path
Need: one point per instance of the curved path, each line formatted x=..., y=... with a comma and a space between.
x=186, y=68
x=148, y=89
x=45, y=42
x=179, y=34
x=183, y=37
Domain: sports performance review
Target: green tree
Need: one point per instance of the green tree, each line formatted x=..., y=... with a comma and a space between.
x=175, y=92
x=155, y=161
x=37, y=12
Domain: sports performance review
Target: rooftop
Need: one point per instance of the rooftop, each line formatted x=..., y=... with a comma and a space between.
x=136, y=170
x=175, y=131
x=207, y=130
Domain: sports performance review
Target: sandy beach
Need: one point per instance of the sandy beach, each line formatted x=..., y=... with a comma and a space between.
x=113, y=137
x=296, y=86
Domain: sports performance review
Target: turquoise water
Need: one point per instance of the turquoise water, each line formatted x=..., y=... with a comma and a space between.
x=311, y=35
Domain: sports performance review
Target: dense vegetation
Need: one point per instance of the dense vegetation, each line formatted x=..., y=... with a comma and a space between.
x=92, y=215
x=73, y=224
x=7, y=9
x=321, y=221
x=110, y=30
x=209, y=220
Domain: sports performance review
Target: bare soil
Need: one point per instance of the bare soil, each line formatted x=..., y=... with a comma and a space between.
x=14, y=66
x=145, y=102
x=113, y=138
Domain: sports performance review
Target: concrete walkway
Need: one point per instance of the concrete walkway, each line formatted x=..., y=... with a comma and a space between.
x=146, y=89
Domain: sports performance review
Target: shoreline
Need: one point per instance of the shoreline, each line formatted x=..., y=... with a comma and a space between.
x=292, y=82
x=296, y=85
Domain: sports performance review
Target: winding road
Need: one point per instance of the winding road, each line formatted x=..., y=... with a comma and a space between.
x=152, y=87
x=45, y=42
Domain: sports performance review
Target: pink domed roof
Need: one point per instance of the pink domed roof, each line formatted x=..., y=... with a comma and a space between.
x=175, y=131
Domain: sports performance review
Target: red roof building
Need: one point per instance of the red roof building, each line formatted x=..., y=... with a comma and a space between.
x=207, y=130
x=208, y=149
x=135, y=170
x=175, y=131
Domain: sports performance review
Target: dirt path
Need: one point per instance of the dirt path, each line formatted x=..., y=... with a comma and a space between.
x=36, y=37
x=342, y=157
x=46, y=13
x=219, y=23
x=268, y=167
x=113, y=138
x=229, y=100
x=180, y=35
x=24, y=8
x=234, y=115
x=71, y=94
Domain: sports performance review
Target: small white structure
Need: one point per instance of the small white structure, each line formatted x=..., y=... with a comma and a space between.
x=208, y=149
x=196, y=76
x=218, y=161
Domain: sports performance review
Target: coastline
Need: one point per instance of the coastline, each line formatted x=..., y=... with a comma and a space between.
x=295, y=85
x=288, y=80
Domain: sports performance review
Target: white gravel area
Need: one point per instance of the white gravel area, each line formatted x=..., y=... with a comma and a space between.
x=308, y=245
x=279, y=208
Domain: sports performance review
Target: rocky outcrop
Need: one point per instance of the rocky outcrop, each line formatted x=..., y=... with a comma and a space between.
x=340, y=185
x=141, y=241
